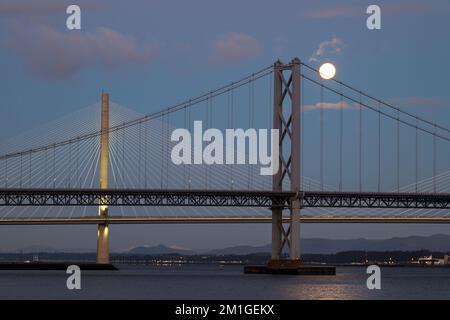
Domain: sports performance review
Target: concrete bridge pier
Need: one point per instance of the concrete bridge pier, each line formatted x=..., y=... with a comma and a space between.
x=103, y=230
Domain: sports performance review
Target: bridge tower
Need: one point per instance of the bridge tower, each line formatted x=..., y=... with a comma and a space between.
x=286, y=118
x=103, y=232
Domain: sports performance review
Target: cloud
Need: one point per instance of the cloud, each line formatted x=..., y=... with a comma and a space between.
x=326, y=106
x=398, y=102
x=333, y=46
x=234, y=46
x=56, y=55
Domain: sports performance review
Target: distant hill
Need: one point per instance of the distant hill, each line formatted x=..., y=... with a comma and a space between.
x=159, y=249
x=438, y=242
x=37, y=249
x=47, y=249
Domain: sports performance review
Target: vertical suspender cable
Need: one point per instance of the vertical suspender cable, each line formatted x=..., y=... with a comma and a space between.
x=145, y=153
x=20, y=180
x=184, y=164
x=379, y=147
x=253, y=123
x=162, y=150
x=123, y=158
x=232, y=126
x=166, y=160
x=249, y=126
x=54, y=166
x=29, y=171
x=189, y=126
x=417, y=152
x=398, y=150
x=45, y=168
x=210, y=125
x=207, y=126
x=341, y=137
x=302, y=131
x=139, y=154
x=270, y=113
x=93, y=152
x=321, y=137
x=6, y=173
x=70, y=165
x=434, y=159
x=360, y=142
x=78, y=183
x=211, y=108
x=229, y=124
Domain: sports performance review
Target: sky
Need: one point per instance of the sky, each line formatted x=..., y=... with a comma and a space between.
x=151, y=54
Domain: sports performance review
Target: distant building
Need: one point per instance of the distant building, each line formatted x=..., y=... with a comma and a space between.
x=430, y=261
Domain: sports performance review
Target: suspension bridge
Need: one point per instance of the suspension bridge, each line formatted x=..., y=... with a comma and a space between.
x=345, y=157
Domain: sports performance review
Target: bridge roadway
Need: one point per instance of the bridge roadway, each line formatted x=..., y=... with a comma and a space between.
x=214, y=219
x=220, y=198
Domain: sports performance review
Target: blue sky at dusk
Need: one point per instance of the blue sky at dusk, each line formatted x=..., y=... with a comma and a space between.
x=152, y=54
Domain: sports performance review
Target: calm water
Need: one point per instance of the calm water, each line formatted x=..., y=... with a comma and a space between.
x=214, y=282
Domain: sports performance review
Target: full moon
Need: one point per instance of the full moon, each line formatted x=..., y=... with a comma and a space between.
x=327, y=71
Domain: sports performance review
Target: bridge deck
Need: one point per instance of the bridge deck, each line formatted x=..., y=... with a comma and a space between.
x=216, y=219
x=220, y=198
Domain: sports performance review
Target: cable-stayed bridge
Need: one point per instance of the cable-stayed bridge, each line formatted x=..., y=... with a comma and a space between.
x=345, y=156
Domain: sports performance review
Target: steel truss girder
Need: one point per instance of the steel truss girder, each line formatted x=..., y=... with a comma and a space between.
x=179, y=198
x=375, y=200
x=220, y=198
x=95, y=220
